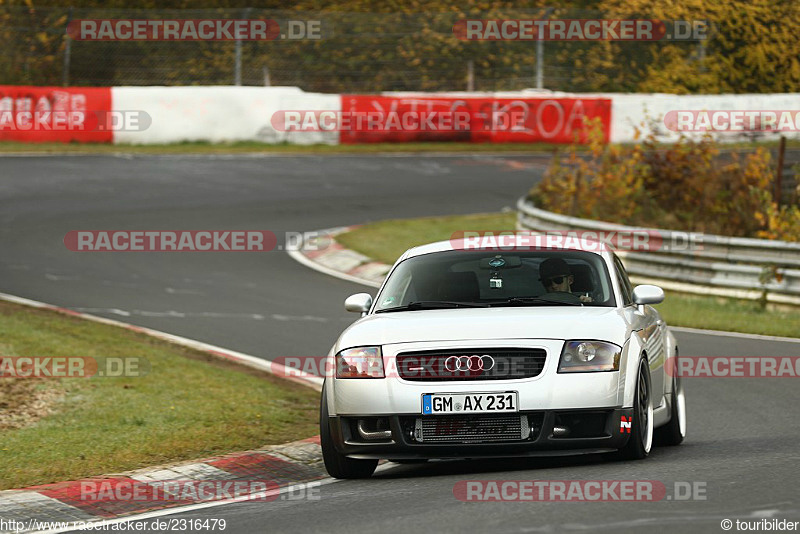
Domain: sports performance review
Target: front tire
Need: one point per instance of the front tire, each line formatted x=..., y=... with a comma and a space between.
x=338, y=465
x=674, y=432
x=641, y=440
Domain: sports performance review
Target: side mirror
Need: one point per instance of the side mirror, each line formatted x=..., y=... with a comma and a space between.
x=358, y=303
x=647, y=294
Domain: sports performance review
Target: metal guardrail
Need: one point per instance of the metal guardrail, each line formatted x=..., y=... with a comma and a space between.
x=710, y=264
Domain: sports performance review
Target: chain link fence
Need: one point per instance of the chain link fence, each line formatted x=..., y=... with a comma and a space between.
x=357, y=52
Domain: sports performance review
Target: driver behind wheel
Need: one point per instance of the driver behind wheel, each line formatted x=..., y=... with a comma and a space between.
x=556, y=276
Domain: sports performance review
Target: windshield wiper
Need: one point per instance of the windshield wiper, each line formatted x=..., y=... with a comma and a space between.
x=525, y=301
x=434, y=305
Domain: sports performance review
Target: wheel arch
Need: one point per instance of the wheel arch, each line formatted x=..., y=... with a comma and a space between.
x=633, y=353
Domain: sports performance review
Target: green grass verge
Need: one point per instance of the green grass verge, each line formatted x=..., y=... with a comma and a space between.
x=733, y=315
x=190, y=405
x=385, y=241
x=243, y=147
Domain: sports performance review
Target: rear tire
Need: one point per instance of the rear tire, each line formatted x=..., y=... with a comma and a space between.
x=338, y=465
x=641, y=439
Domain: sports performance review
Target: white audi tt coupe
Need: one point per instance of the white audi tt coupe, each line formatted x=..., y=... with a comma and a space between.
x=471, y=351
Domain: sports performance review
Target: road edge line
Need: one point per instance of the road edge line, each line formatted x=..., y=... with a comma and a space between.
x=240, y=358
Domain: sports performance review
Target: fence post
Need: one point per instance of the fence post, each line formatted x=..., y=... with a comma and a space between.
x=540, y=54
x=540, y=63
x=67, y=51
x=237, y=73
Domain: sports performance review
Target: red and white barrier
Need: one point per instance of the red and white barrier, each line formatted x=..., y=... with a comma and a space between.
x=219, y=114
x=45, y=114
x=630, y=111
x=488, y=119
x=155, y=115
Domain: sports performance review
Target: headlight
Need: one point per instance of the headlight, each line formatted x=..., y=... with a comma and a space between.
x=581, y=356
x=360, y=362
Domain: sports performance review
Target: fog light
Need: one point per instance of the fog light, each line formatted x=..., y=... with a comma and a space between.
x=560, y=431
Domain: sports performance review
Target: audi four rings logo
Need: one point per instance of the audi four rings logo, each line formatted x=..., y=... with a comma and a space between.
x=469, y=363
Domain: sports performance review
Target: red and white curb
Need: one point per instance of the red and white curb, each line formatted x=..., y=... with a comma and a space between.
x=322, y=253
x=42, y=507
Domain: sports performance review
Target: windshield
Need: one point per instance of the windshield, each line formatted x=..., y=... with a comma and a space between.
x=486, y=278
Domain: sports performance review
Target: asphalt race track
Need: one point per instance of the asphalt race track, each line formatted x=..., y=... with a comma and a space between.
x=742, y=447
x=213, y=296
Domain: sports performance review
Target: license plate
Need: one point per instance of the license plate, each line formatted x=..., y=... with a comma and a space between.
x=446, y=403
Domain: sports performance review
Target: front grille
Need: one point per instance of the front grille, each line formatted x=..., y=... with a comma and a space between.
x=471, y=429
x=442, y=364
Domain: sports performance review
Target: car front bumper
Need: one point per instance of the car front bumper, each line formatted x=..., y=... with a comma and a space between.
x=552, y=433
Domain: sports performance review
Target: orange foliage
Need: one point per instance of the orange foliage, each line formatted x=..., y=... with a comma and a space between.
x=690, y=186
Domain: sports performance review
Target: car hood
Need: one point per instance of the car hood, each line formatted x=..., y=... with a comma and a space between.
x=542, y=322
